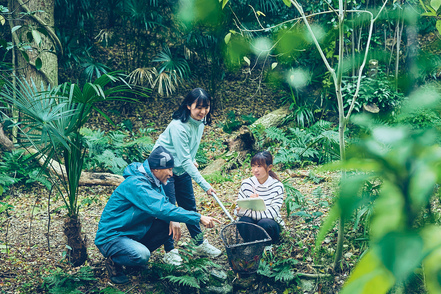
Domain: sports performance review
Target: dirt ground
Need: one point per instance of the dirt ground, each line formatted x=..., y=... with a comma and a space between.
x=32, y=242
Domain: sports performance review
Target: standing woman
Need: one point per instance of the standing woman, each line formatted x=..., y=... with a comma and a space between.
x=182, y=138
x=264, y=184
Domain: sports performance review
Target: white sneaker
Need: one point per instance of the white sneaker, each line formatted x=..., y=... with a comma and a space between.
x=206, y=249
x=172, y=257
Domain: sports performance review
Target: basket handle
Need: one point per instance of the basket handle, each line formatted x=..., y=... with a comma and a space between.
x=222, y=206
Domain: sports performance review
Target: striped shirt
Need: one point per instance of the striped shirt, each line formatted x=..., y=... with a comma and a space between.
x=272, y=194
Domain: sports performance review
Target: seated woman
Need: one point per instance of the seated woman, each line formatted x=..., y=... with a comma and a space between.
x=266, y=185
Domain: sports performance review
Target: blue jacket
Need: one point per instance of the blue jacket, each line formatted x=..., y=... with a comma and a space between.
x=134, y=205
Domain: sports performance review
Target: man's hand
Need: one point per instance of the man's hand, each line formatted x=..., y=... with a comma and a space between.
x=210, y=191
x=175, y=229
x=208, y=221
x=196, y=164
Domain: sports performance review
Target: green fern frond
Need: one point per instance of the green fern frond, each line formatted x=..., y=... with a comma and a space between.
x=276, y=134
x=139, y=141
x=116, y=138
x=265, y=269
x=112, y=162
x=184, y=281
x=285, y=275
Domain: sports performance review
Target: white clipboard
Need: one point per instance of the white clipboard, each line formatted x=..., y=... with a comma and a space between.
x=252, y=203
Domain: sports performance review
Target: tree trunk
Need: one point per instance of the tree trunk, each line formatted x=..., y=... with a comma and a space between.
x=411, y=73
x=44, y=51
x=77, y=245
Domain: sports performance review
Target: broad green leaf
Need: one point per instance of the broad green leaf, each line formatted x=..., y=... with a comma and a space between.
x=247, y=60
x=43, y=31
x=224, y=2
x=237, y=48
x=291, y=42
x=37, y=37
x=432, y=13
x=421, y=186
x=388, y=211
x=327, y=225
x=400, y=252
x=369, y=276
x=431, y=9
x=15, y=28
x=38, y=63
x=25, y=55
x=438, y=26
x=349, y=199
x=273, y=65
x=1, y=190
x=435, y=4
x=287, y=3
x=227, y=38
x=2, y=20
x=432, y=263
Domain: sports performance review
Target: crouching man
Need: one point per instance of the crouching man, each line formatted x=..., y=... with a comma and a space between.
x=135, y=221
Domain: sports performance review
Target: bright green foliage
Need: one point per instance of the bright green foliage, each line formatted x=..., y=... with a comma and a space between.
x=17, y=167
x=60, y=282
x=407, y=161
x=114, y=151
x=433, y=10
x=317, y=144
x=379, y=91
x=294, y=198
x=93, y=69
x=279, y=269
x=233, y=123
x=193, y=272
x=50, y=123
x=185, y=281
x=201, y=155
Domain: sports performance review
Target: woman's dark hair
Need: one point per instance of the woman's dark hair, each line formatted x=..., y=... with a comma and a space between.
x=198, y=95
x=264, y=158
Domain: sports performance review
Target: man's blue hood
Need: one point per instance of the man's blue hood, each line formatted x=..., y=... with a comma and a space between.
x=138, y=169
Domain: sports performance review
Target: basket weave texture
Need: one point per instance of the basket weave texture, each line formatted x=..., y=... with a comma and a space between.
x=244, y=243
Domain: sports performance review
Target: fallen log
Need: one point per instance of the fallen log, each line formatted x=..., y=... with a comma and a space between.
x=243, y=142
x=86, y=179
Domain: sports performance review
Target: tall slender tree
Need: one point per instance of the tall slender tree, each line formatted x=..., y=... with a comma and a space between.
x=35, y=41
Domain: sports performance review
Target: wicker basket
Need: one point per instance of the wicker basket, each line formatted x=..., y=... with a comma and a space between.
x=244, y=243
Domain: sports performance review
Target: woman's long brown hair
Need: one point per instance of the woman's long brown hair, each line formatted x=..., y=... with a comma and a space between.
x=264, y=158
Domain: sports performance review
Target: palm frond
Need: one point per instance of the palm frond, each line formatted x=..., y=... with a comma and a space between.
x=170, y=63
x=143, y=76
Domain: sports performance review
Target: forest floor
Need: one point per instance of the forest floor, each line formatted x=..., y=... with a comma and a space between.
x=32, y=242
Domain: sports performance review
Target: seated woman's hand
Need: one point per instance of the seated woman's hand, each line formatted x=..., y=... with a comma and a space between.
x=255, y=195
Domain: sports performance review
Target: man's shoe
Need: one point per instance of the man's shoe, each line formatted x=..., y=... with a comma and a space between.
x=172, y=257
x=115, y=271
x=206, y=249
